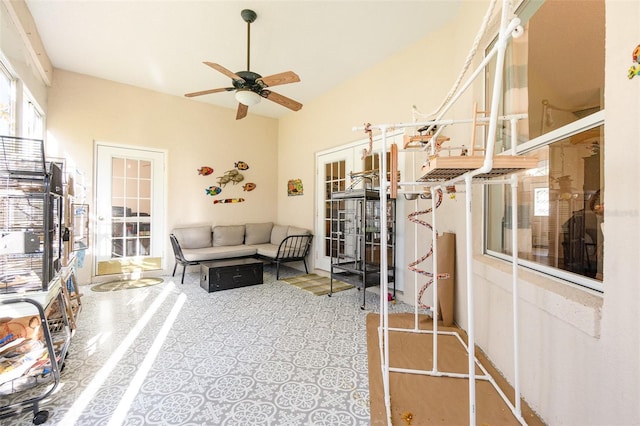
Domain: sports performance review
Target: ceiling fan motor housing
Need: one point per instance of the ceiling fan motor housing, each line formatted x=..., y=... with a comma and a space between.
x=250, y=81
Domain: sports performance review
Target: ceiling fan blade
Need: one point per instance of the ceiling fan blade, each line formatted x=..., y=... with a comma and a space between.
x=242, y=111
x=282, y=100
x=207, y=92
x=224, y=71
x=281, y=78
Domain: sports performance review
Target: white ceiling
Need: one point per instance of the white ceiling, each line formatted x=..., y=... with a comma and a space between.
x=161, y=44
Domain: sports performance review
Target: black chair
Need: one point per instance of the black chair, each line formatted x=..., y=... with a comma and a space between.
x=294, y=248
x=177, y=251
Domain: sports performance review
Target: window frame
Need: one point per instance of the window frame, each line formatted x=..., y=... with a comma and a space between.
x=28, y=100
x=583, y=124
x=580, y=125
x=5, y=71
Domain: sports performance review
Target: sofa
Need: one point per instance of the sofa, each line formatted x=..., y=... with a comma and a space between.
x=275, y=243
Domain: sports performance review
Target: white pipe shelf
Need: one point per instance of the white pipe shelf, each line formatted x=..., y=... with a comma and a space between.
x=441, y=172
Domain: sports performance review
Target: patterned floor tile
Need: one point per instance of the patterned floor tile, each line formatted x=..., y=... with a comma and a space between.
x=173, y=354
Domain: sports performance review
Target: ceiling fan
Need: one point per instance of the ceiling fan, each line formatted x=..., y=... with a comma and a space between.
x=249, y=86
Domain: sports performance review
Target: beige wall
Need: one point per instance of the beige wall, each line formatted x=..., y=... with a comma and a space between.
x=580, y=349
x=193, y=134
x=619, y=349
x=383, y=94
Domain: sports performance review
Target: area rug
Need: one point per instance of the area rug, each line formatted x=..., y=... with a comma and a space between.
x=126, y=284
x=424, y=399
x=317, y=284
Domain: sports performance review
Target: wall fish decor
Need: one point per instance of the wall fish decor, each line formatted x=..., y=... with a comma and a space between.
x=228, y=200
x=241, y=165
x=205, y=170
x=213, y=190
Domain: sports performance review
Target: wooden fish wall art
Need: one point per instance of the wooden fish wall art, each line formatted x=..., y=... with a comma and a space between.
x=228, y=200
x=635, y=68
x=249, y=186
x=213, y=190
x=230, y=176
x=241, y=165
x=205, y=170
x=233, y=176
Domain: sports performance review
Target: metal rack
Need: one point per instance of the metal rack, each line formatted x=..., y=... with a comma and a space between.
x=356, y=244
x=31, y=276
x=30, y=216
x=39, y=366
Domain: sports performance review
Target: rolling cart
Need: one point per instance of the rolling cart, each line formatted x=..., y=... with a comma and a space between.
x=39, y=367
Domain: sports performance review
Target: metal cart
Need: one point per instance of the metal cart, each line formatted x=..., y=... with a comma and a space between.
x=49, y=375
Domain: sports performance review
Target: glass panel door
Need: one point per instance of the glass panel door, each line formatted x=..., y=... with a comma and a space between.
x=332, y=175
x=130, y=214
x=131, y=207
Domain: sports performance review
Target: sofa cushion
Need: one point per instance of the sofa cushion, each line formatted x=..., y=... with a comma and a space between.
x=278, y=233
x=267, y=250
x=230, y=235
x=215, y=253
x=193, y=237
x=297, y=231
x=258, y=233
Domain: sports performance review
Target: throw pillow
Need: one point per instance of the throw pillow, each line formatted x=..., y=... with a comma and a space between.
x=231, y=235
x=258, y=233
x=278, y=233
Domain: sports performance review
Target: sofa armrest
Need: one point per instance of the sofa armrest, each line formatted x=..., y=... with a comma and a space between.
x=294, y=247
x=177, y=250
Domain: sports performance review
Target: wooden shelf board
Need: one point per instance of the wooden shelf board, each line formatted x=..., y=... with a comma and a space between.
x=419, y=141
x=446, y=168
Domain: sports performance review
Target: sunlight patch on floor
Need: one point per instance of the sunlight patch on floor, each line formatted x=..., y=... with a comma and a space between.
x=121, y=411
x=101, y=376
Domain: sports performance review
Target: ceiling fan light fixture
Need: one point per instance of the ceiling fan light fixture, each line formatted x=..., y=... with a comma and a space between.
x=247, y=97
x=249, y=86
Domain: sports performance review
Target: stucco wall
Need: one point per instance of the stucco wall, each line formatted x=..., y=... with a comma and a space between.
x=616, y=375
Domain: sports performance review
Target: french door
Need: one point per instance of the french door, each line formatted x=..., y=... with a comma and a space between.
x=129, y=209
x=332, y=175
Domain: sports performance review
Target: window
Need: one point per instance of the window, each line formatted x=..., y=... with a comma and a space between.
x=32, y=120
x=372, y=163
x=7, y=97
x=560, y=203
x=29, y=120
x=541, y=201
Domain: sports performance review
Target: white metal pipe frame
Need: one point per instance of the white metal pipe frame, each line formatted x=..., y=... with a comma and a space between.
x=508, y=28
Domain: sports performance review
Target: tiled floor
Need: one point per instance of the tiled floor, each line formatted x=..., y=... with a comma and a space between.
x=174, y=354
